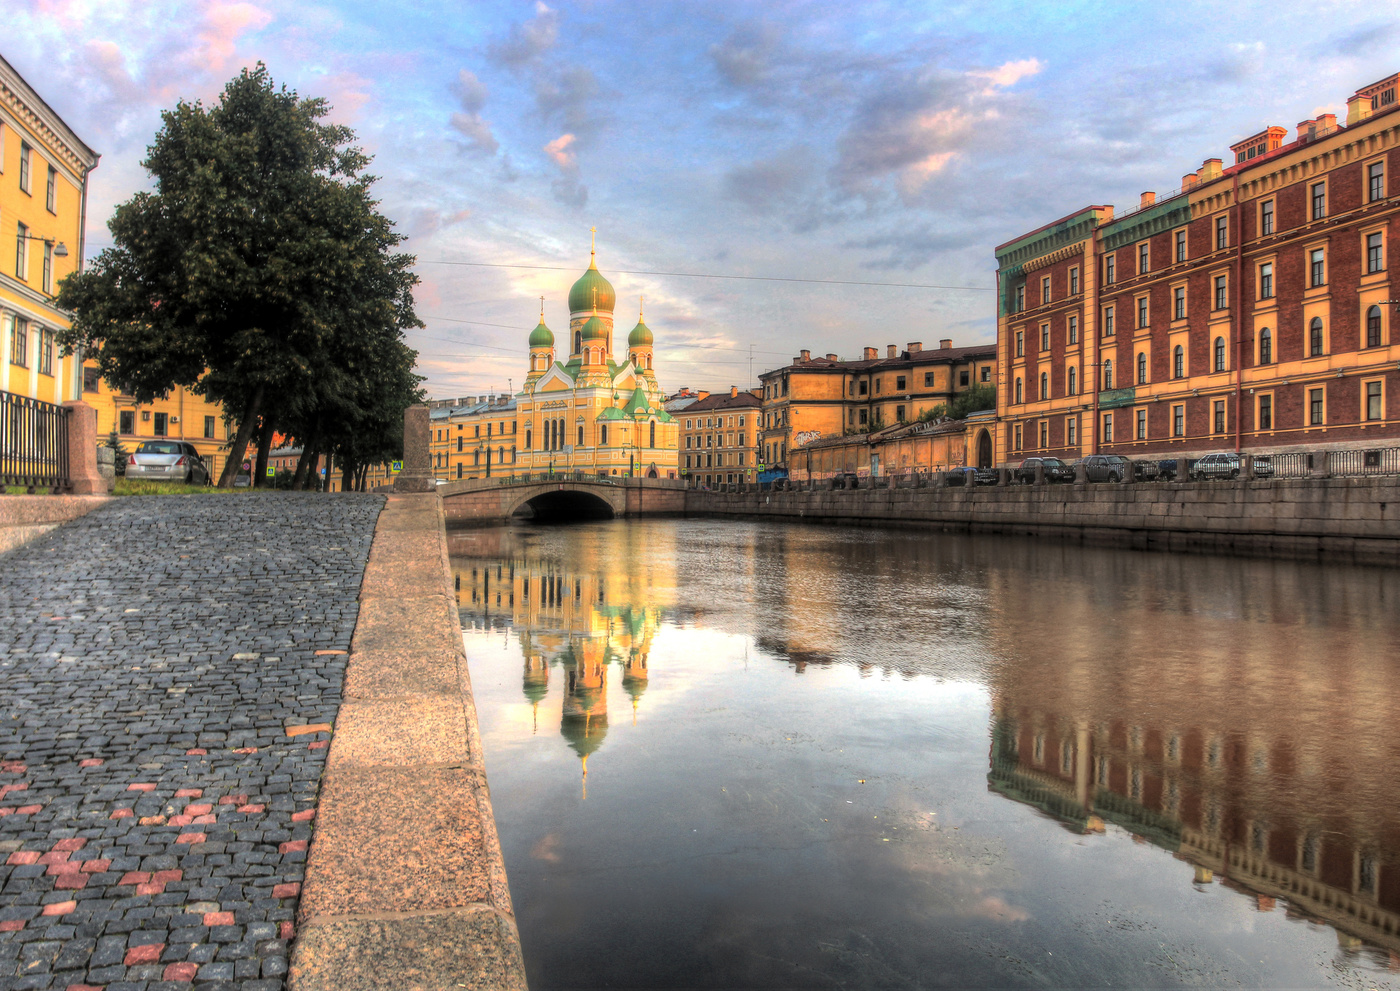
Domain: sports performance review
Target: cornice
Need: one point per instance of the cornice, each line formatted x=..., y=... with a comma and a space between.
x=1069, y=251
x=19, y=98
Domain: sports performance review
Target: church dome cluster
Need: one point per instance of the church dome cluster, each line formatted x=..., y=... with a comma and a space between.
x=582, y=298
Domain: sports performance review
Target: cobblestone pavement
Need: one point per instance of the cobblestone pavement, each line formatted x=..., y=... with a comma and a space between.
x=165, y=664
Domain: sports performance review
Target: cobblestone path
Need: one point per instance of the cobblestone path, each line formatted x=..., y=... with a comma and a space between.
x=164, y=662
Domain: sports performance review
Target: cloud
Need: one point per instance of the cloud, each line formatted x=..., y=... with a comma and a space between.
x=558, y=151
x=346, y=92
x=223, y=24
x=566, y=188
x=568, y=99
x=745, y=58
x=468, y=122
x=529, y=40
x=1361, y=41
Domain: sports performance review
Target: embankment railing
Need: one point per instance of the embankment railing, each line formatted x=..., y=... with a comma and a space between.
x=33, y=443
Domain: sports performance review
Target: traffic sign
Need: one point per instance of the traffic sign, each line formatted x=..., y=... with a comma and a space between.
x=397, y=466
x=271, y=472
x=247, y=466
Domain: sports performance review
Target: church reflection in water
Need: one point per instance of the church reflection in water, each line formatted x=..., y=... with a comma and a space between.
x=1269, y=774
x=578, y=621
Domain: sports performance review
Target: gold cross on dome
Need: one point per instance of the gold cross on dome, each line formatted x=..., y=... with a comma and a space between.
x=592, y=240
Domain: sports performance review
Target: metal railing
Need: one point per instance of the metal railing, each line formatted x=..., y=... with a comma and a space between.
x=33, y=443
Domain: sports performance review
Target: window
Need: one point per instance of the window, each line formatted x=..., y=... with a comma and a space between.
x=1315, y=337
x=1018, y=390
x=1220, y=354
x=1044, y=386
x=1373, y=327
x=1108, y=321
x=1108, y=267
x=1017, y=437
x=1072, y=430
x=24, y=152
x=1108, y=428
x=1020, y=344
x=899, y=383
x=603, y=434
x=162, y=424
x=1108, y=373
x=1073, y=389
x=1266, y=412
x=1266, y=218
x=46, y=352
x=1178, y=362
x=1179, y=303
x=1142, y=368
x=964, y=378
x=928, y=380
x=47, y=282
x=1319, y=200
x=92, y=378
x=1181, y=246
x=1178, y=421
x=1373, y=401
x=1317, y=266
x=1317, y=406
x=1074, y=281
x=1142, y=424
x=1074, y=330
x=986, y=373
x=459, y=469
x=1045, y=337
x=1375, y=259
x=1375, y=181
x=1045, y=290
x=1266, y=347
x=126, y=421
x=1142, y=312
x=19, y=345
x=1143, y=256
x=1222, y=232
x=209, y=427
x=899, y=414
x=1020, y=303
x=1221, y=297
x=22, y=254
x=51, y=193
x=1044, y=434
x=1218, y=418
x=1266, y=281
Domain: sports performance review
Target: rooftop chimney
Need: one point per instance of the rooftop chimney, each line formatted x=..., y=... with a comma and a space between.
x=806, y=355
x=1358, y=109
x=733, y=391
x=871, y=354
x=1189, y=180
x=890, y=351
x=831, y=357
x=1146, y=200
x=945, y=344
x=915, y=346
x=1210, y=169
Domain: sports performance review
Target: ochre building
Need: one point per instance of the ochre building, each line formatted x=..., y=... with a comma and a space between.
x=1252, y=310
x=598, y=411
x=720, y=438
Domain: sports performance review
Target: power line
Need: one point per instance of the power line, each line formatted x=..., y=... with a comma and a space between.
x=708, y=275
x=518, y=329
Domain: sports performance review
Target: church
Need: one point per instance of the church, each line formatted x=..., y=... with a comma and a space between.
x=597, y=411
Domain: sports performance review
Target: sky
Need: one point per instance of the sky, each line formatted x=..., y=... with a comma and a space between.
x=725, y=148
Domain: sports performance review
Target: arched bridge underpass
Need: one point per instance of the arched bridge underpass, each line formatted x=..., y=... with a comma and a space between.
x=559, y=498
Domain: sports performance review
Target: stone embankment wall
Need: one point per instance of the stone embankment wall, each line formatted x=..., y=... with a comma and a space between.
x=26, y=517
x=1345, y=519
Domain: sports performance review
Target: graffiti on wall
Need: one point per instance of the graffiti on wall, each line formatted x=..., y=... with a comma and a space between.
x=805, y=437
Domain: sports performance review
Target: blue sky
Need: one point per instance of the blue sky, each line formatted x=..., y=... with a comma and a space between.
x=866, y=142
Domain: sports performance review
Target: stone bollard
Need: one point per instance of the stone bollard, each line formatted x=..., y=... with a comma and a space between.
x=1247, y=466
x=1183, y=472
x=83, y=476
x=107, y=465
x=1321, y=464
x=1039, y=473
x=417, y=474
x=1129, y=475
x=1003, y=476
x=1081, y=474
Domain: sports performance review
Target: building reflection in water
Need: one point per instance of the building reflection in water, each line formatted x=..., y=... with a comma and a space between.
x=1262, y=755
x=591, y=615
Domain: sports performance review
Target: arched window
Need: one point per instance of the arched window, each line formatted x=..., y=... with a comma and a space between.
x=1108, y=373
x=1074, y=381
x=1044, y=386
x=500, y=455
x=603, y=434
x=476, y=458
x=653, y=435
x=578, y=341
x=1178, y=362
x=1266, y=347
x=1018, y=390
x=1315, y=337
x=1220, y=354
x=1373, y=327
x=580, y=435
x=1142, y=368
x=512, y=455
x=527, y=439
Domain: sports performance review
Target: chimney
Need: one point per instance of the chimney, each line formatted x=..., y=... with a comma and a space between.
x=1358, y=109
x=945, y=344
x=915, y=346
x=733, y=391
x=831, y=357
x=1146, y=200
x=871, y=354
x=1327, y=122
x=890, y=351
x=1305, y=130
x=1188, y=180
x=806, y=355
x=1210, y=169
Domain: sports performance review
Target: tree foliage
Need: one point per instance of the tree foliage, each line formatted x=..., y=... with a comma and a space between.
x=258, y=273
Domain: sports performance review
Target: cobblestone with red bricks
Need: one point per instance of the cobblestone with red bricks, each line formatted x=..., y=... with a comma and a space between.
x=154, y=810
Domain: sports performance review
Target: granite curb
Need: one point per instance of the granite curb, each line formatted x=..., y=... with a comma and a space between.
x=27, y=517
x=405, y=881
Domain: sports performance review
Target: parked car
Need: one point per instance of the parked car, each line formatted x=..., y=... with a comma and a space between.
x=979, y=476
x=1106, y=467
x=845, y=480
x=1263, y=466
x=1055, y=470
x=1147, y=471
x=1166, y=470
x=1217, y=466
x=167, y=461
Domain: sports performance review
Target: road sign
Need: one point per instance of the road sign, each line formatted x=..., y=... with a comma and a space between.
x=247, y=466
x=397, y=466
x=271, y=472
x=323, y=471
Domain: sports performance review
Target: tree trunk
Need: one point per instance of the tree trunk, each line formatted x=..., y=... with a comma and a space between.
x=264, y=446
x=304, y=463
x=240, y=441
x=360, y=482
x=347, y=476
x=325, y=482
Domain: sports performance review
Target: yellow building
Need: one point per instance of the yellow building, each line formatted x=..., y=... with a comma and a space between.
x=720, y=438
x=43, y=202
x=592, y=413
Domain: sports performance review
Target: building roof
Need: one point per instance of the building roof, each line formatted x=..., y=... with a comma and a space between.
x=744, y=400
x=905, y=359
x=581, y=296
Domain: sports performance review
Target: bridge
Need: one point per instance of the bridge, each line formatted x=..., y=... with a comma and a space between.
x=557, y=497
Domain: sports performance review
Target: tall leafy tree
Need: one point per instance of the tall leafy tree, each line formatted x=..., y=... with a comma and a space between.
x=253, y=272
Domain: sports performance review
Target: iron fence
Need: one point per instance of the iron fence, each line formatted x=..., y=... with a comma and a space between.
x=33, y=443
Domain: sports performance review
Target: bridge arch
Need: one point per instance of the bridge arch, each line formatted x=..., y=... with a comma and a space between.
x=562, y=501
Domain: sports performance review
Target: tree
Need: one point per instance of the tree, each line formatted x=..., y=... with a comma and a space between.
x=258, y=262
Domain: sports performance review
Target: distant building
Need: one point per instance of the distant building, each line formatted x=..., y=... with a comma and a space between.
x=814, y=398
x=1251, y=310
x=720, y=437
x=44, y=169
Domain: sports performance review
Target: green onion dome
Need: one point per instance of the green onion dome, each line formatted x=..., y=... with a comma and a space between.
x=541, y=336
x=594, y=329
x=581, y=296
x=640, y=336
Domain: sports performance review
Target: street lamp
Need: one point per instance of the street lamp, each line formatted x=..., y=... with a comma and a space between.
x=60, y=249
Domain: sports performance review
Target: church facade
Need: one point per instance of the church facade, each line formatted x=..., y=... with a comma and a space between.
x=583, y=405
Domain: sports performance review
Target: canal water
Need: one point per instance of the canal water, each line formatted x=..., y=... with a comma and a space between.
x=750, y=755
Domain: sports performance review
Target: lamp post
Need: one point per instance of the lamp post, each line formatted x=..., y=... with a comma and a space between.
x=60, y=249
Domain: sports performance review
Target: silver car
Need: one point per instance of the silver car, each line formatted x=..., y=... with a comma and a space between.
x=167, y=461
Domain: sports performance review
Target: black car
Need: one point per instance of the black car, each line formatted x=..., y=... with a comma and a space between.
x=845, y=480
x=979, y=476
x=1055, y=470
